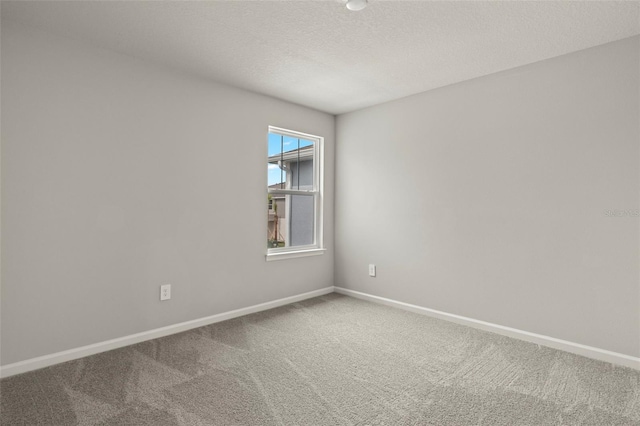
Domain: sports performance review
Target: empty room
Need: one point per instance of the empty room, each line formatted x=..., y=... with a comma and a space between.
x=340, y=212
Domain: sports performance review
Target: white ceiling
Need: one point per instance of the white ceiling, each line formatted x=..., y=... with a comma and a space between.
x=319, y=54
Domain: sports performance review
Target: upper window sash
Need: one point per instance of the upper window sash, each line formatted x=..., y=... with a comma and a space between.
x=317, y=160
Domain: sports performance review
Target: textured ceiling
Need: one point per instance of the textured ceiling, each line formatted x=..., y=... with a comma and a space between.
x=319, y=54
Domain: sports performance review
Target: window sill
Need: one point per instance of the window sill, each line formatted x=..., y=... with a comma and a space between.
x=293, y=254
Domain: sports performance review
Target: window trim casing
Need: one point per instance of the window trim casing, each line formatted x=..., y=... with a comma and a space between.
x=317, y=247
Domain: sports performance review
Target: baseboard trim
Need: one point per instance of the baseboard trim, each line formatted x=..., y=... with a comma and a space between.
x=552, y=342
x=71, y=354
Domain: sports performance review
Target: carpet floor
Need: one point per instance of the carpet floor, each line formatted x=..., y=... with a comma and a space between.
x=331, y=360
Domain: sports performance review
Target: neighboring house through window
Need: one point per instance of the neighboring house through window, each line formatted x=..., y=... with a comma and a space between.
x=294, y=194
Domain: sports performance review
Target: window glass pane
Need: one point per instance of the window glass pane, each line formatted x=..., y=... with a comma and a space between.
x=302, y=220
x=277, y=219
x=291, y=220
x=290, y=162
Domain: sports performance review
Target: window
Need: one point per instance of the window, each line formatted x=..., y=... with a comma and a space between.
x=294, y=194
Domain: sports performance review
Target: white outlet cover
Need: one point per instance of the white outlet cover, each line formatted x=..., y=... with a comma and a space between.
x=165, y=292
x=372, y=270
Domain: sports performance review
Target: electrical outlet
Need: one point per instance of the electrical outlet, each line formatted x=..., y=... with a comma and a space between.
x=372, y=270
x=165, y=292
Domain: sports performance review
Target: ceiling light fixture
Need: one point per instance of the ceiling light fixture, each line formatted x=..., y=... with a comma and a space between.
x=355, y=5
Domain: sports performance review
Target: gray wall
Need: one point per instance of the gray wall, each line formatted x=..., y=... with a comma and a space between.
x=488, y=198
x=115, y=174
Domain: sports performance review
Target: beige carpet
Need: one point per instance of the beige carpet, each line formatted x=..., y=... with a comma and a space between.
x=332, y=360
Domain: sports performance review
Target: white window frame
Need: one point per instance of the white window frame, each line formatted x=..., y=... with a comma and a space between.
x=317, y=247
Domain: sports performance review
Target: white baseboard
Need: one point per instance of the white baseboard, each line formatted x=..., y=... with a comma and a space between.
x=71, y=354
x=552, y=342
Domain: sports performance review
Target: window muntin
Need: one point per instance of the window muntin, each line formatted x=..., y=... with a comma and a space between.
x=294, y=192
